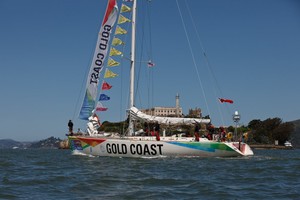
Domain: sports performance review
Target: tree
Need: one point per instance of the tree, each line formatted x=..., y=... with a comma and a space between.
x=283, y=132
x=255, y=124
x=271, y=129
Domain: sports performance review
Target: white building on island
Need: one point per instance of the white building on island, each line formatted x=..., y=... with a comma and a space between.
x=165, y=111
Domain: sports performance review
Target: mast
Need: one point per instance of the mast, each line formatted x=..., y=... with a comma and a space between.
x=132, y=66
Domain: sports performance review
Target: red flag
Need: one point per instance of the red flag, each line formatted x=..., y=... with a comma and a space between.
x=222, y=100
x=105, y=86
x=150, y=64
x=100, y=107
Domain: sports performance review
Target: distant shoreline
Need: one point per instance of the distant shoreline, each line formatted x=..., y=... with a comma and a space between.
x=268, y=146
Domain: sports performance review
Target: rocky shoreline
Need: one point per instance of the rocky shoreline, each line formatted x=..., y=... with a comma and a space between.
x=64, y=144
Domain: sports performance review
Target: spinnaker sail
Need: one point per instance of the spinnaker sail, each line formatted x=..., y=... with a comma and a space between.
x=100, y=54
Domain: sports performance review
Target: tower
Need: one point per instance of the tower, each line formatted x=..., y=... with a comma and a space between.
x=177, y=105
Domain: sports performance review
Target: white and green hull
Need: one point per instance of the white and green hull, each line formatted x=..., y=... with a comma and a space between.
x=150, y=147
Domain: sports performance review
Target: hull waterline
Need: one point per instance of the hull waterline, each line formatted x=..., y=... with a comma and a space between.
x=150, y=147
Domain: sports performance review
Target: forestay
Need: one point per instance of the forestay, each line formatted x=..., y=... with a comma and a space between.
x=100, y=53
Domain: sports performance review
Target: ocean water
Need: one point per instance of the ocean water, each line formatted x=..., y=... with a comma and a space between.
x=57, y=174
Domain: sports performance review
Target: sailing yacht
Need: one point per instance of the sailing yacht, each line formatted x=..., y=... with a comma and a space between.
x=131, y=144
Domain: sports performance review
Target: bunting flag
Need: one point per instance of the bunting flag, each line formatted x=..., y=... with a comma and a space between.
x=125, y=8
x=123, y=19
x=117, y=41
x=112, y=63
x=115, y=52
x=105, y=86
x=150, y=64
x=96, y=67
x=104, y=97
x=100, y=107
x=120, y=31
x=109, y=74
x=222, y=100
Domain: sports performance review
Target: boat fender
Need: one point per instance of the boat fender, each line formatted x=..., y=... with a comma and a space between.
x=229, y=135
x=245, y=135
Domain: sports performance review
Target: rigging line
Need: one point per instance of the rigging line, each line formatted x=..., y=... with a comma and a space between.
x=127, y=104
x=83, y=82
x=143, y=46
x=137, y=93
x=203, y=49
x=209, y=66
x=149, y=24
x=150, y=84
x=193, y=57
x=123, y=58
x=137, y=90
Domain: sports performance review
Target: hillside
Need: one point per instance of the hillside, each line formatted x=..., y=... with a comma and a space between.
x=9, y=144
x=49, y=143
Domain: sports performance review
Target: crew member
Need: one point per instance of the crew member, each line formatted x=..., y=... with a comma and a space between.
x=70, y=125
x=156, y=130
x=223, y=134
x=146, y=129
x=197, y=132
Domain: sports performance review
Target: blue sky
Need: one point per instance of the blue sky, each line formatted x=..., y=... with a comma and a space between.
x=46, y=48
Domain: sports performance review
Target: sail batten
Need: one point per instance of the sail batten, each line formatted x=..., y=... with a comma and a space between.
x=99, y=57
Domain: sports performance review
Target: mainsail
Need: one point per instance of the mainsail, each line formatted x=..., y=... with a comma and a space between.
x=100, y=54
x=137, y=114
